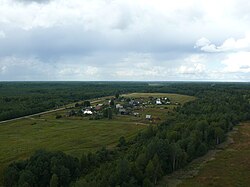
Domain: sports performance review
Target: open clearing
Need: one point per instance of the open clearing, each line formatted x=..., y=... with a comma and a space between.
x=20, y=138
x=173, y=97
x=228, y=167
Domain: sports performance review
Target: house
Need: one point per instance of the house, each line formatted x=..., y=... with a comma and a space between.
x=123, y=111
x=134, y=103
x=118, y=106
x=148, y=117
x=87, y=112
x=87, y=108
x=158, y=102
x=131, y=102
x=136, y=114
x=98, y=107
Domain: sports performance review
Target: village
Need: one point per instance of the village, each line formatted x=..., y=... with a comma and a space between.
x=144, y=109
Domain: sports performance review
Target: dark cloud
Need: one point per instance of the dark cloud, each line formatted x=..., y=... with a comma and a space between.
x=62, y=41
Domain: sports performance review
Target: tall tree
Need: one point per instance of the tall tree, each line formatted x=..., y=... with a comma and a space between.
x=84, y=163
x=157, y=169
x=149, y=171
x=86, y=103
x=53, y=181
x=117, y=95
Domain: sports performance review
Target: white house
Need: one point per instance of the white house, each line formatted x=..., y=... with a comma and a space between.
x=88, y=112
x=148, y=116
x=136, y=114
x=118, y=106
x=123, y=111
x=158, y=102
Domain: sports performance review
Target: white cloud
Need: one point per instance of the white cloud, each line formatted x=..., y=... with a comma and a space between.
x=2, y=69
x=31, y=68
x=138, y=66
x=230, y=44
x=91, y=70
x=193, y=64
x=136, y=16
x=131, y=67
x=237, y=62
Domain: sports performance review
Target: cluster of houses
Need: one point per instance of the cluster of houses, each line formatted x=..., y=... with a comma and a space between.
x=126, y=106
x=162, y=101
x=140, y=103
x=91, y=110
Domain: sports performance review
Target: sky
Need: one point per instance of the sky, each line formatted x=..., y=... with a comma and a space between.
x=125, y=40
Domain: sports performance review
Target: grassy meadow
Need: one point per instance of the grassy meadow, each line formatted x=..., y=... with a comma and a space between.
x=21, y=138
x=73, y=135
x=173, y=97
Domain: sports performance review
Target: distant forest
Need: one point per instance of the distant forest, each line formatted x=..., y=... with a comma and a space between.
x=188, y=133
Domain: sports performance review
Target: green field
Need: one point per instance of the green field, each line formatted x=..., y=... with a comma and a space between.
x=21, y=138
x=173, y=97
x=158, y=111
x=229, y=167
x=73, y=135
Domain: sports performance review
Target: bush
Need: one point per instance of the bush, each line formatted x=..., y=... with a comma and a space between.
x=58, y=116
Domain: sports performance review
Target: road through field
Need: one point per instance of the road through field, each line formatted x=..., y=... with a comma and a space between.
x=46, y=112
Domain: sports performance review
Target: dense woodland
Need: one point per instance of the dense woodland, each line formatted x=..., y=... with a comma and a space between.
x=189, y=132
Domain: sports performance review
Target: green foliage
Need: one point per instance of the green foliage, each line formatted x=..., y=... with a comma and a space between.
x=147, y=183
x=123, y=171
x=11, y=176
x=81, y=183
x=53, y=181
x=149, y=172
x=112, y=103
x=157, y=174
x=58, y=116
x=84, y=163
x=86, y=103
x=43, y=169
x=117, y=94
x=107, y=113
x=122, y=142
x=26, y=178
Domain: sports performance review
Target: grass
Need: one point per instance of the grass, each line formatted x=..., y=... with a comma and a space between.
x=73, y=135
x=230, y=167
x=173, y=97
x=158, y=111
x=21, y=138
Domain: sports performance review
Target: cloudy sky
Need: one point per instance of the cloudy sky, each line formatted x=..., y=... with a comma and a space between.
x=132, y=40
